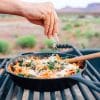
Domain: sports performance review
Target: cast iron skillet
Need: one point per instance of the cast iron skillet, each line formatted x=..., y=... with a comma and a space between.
x=51, y=84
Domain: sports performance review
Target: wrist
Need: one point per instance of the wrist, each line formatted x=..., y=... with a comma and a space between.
x=26, y=8
x=18, y=7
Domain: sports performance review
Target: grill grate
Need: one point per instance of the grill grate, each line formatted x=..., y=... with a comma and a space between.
x=9, y=91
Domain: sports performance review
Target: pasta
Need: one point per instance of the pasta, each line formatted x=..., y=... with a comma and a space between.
x=53, y=66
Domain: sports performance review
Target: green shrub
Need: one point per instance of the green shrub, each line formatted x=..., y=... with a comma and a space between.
x=77, y=24
x=49, y=43
x=26, y=41
x=78, y=33
x=90, y=34
x=4, y=47
x=64, y=19
x=67, y=27
x=86, y=33
x=97, y=34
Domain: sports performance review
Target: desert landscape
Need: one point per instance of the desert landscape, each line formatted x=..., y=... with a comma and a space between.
x=80, y=29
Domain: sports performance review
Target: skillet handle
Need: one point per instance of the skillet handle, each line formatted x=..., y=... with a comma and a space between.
x=91, y=84
x=25, y=53
x=1, y=75
x=2, y=72
x=62, y=46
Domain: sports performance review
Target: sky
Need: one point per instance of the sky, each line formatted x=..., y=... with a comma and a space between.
x=62, y=3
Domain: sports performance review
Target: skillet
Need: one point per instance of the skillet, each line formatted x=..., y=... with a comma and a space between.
x=52, y=84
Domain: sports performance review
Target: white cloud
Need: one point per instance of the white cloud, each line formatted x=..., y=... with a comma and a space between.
x=62, y=3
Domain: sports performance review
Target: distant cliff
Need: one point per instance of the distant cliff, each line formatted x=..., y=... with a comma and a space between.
x=91, y=8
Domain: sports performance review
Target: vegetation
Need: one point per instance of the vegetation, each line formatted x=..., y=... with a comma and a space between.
x=26, y=41
x=77, y=24
x=67, y=27
x=81, y=31
x=4, y=47
x=49, y=43
x=90, y=34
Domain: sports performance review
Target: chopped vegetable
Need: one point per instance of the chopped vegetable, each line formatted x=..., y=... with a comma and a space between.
x=78, y=70
x=20, y=62
x=22, y=75
x=29, y=64
x=51, y=65
x=30, y=76
x=48, y=67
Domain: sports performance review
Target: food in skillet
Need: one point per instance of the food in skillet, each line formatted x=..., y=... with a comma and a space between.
x=47, y=67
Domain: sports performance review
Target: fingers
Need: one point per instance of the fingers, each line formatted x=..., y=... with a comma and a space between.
x=47, y=24
x=51, y=27
x=56, y=25
x=51, y=24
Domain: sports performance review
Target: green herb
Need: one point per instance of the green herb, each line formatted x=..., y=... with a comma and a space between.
x=32, y=64
x=31, y=76
x=55, y=61
x=22, y=75
x=78, y=70
x=51, y=65
x=21, y=63
x=29, y=64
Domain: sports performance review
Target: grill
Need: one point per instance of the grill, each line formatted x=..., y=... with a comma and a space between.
x=10, y=91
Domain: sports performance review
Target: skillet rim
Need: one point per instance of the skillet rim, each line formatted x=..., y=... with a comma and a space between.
x=30, y=54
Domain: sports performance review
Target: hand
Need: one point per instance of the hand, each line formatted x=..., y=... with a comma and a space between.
x=42, y=14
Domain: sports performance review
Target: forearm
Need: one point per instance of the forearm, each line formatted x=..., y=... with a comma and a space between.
x=11, y=7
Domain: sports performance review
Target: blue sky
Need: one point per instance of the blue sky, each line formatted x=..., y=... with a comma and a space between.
x=62, y=3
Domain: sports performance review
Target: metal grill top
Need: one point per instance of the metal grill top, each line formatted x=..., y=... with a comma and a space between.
x=9, y=91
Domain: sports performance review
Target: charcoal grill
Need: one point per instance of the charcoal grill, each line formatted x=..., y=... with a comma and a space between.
x=10, y=91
